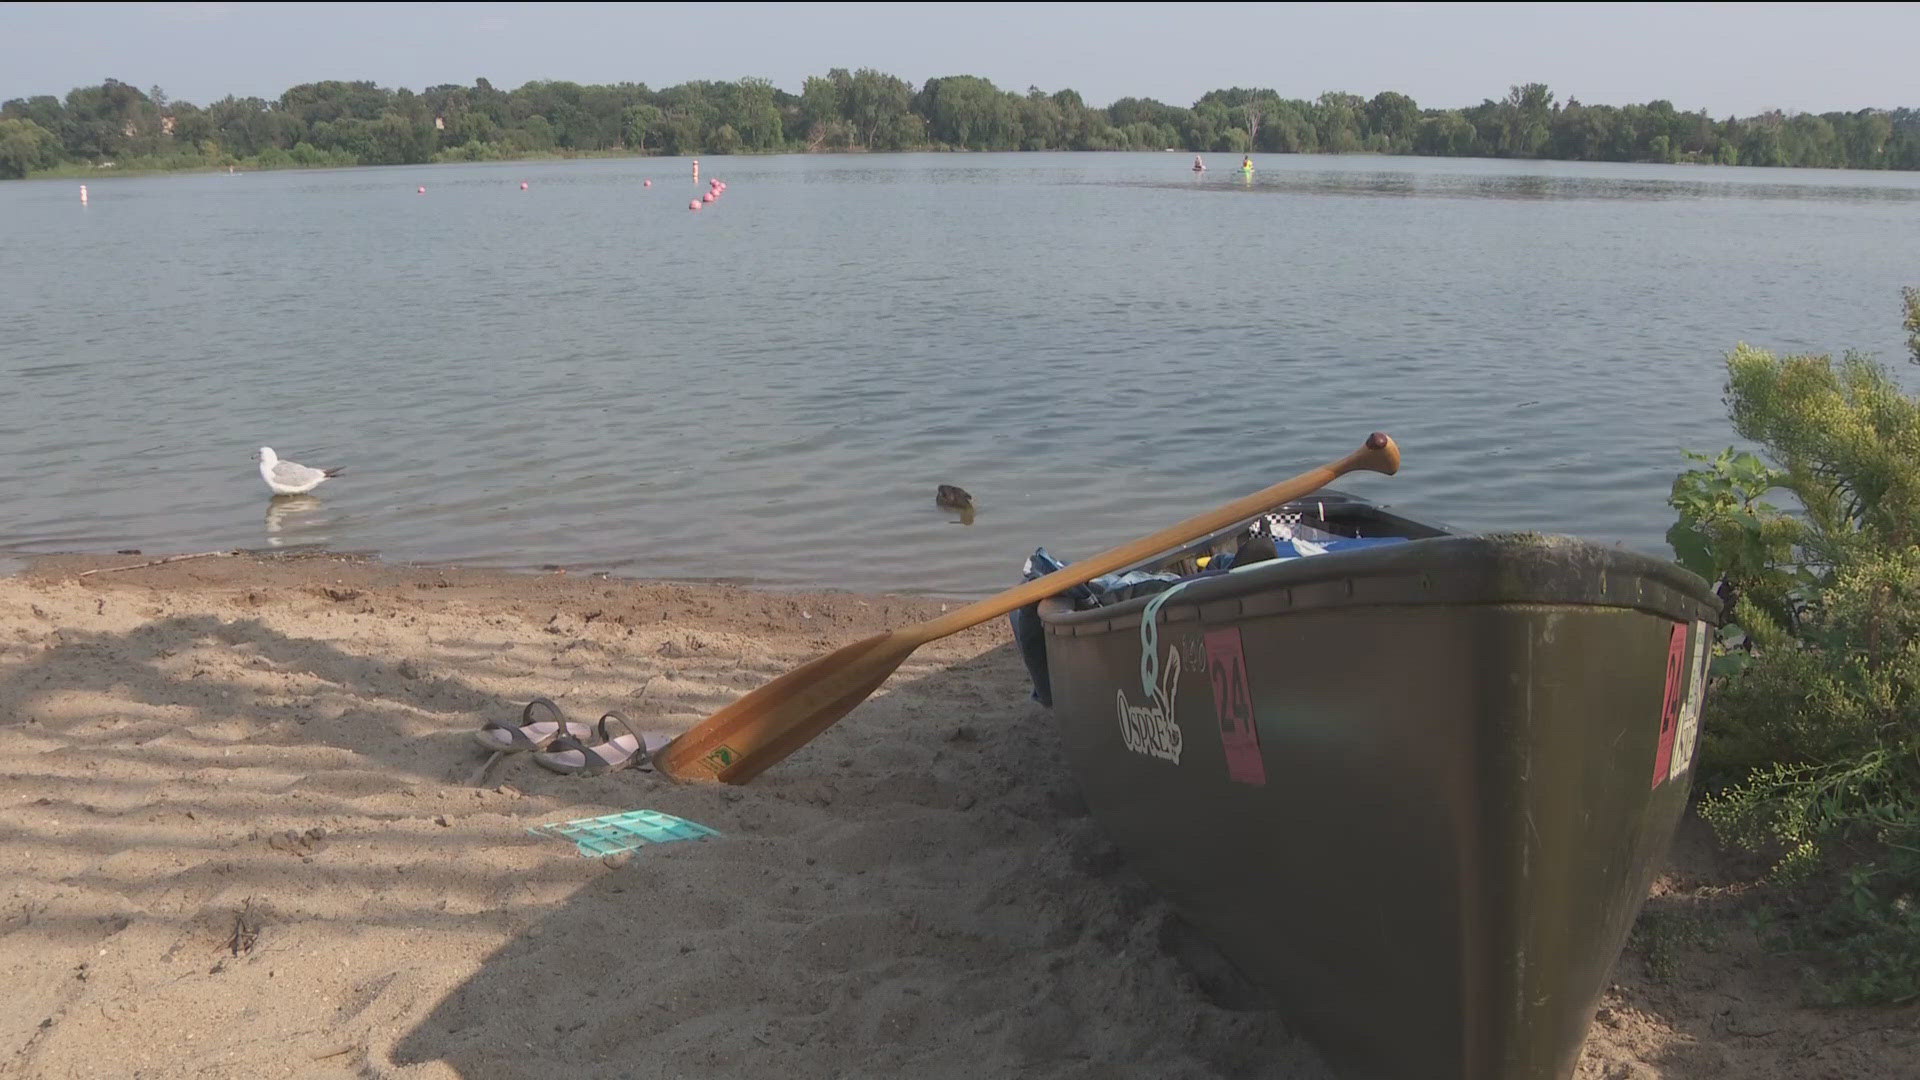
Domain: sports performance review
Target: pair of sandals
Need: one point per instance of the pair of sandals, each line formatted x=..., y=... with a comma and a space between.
x=560, y=744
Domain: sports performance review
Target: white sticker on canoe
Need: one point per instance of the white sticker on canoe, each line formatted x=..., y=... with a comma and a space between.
x=1689, y=734
x=1150, y=729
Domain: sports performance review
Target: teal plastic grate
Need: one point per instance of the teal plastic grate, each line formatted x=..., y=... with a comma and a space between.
x=615, y=833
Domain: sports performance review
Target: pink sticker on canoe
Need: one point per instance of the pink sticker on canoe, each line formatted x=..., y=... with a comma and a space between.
x=1233, y=705
x=1670, y=705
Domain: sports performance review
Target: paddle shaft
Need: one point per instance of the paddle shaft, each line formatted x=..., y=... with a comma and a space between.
x=761, y=728
x=1384, y=458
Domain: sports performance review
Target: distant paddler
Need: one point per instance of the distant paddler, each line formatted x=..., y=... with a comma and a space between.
x=1198, y=165
x=1246, y=164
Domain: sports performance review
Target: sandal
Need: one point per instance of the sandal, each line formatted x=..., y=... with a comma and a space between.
x=528, y=734
x=611, y=754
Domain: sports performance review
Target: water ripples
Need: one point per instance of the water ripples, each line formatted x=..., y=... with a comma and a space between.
x=585, y=374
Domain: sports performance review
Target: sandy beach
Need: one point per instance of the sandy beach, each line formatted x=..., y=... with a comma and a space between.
x=243, y=839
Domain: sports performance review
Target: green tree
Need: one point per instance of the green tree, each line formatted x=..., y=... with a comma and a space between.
x=1339, y=118
x=106, y=121
x=640, y=122
x=724, y=140
x=1528, y=116
x=1289, y=129
x=191, y=124
x=532, y=134
x=332, y=100
x=1207, y=123
x=693, y=112
x=1761, y=144
x=348, y=121
x=24, y=147
x=471, y=126
x=680, y=133
x=879, y=106
x=823, y=98
x=966, y=111
x=1446, y=133
x=1810, y=141
x=750, y=111
x=1395, y=116
x=1043, y=126
x=1867, y=134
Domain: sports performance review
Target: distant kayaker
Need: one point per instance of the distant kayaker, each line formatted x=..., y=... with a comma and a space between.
x=1246, y=163
x=1198, y=165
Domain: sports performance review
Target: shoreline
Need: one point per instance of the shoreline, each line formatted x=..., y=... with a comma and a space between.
x=68, y=172
x=95, y=562
x=244, y=842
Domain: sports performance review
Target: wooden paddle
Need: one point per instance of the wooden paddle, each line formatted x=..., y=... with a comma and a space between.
x=743, y=739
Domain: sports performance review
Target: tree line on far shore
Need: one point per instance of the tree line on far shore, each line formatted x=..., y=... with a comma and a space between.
x=358, y=123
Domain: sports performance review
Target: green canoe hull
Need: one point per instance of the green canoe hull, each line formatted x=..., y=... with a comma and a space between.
x=1417, y=791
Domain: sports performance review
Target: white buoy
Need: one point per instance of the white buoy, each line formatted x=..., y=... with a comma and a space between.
x=83, y=194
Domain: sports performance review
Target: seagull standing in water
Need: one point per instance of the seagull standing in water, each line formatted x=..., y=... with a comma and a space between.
x=287, y=478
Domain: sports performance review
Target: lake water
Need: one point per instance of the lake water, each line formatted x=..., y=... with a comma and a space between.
x=586, y=373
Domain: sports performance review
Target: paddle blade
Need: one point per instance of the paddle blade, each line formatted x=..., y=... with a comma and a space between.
x=743, y=739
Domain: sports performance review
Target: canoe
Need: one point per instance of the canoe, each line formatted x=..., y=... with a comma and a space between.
x=1413, y=782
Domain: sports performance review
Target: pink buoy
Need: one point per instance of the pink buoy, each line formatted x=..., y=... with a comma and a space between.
x=708, y=197
x=694, y=205
x=523, y=185
x=422, y=191
x=646, y=183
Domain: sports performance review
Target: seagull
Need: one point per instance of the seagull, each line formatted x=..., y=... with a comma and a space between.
x=287, y=478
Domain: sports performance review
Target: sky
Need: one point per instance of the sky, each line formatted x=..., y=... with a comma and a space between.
x=1732, y=58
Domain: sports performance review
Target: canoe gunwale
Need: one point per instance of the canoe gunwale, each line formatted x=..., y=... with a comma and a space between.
x=1446, y=571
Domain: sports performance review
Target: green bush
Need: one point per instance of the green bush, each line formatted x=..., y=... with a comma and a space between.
x=1812, y=733
x=308, y=156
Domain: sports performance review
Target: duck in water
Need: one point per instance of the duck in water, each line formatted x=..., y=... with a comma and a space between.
x=948, y=497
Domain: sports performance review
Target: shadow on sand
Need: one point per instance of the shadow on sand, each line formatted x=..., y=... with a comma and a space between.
x=917, y=891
